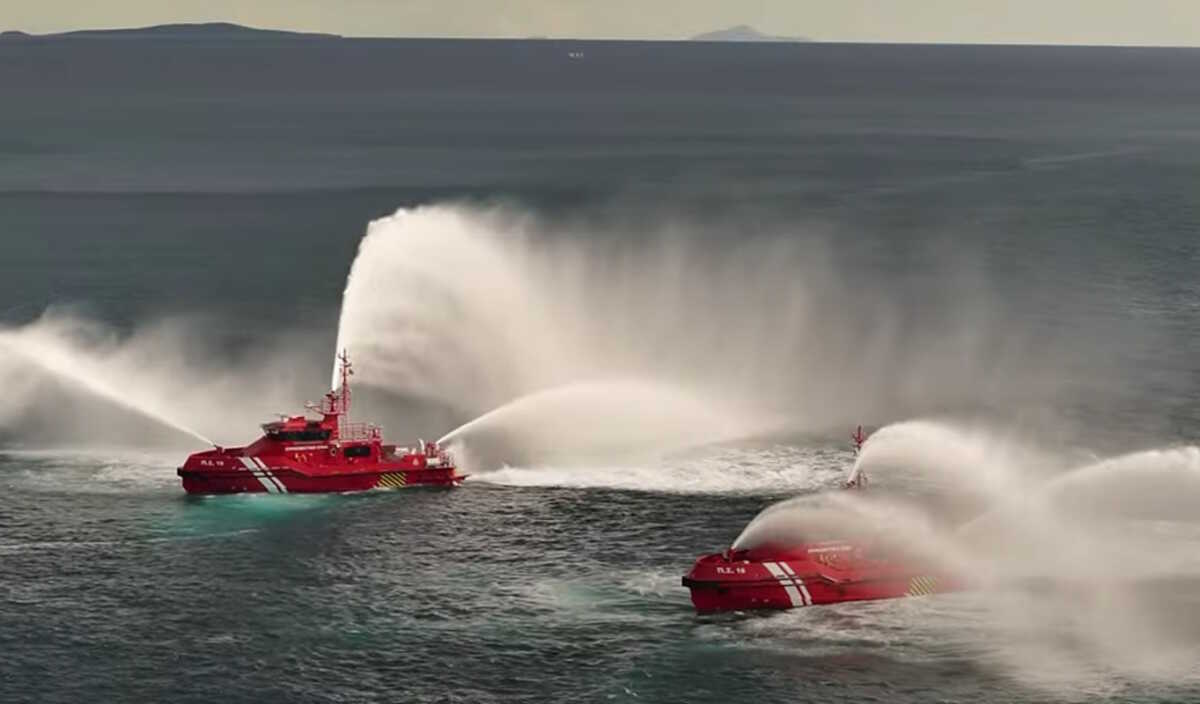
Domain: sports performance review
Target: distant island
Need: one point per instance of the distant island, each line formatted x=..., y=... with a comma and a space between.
x=743, y=33
x=207, y=31
x=222, y=32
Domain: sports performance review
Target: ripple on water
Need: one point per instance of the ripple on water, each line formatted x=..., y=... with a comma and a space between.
x=111, y=471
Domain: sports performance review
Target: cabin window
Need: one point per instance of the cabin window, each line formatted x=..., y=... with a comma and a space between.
x=358, y=451
x=300, y=435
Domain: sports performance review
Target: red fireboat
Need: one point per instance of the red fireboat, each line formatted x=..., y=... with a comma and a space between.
x=812, y=573
x=299, y=454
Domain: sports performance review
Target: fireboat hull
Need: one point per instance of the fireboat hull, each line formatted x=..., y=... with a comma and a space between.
x=718, y=583
x=812, y=573
x=284, y=480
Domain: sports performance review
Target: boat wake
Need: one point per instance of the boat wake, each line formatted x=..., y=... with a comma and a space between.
x=91, y=470
x=724, y=470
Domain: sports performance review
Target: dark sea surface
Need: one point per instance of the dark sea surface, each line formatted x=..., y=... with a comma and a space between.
x=223, y=188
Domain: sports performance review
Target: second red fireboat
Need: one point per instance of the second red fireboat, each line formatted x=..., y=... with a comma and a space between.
x=826, y=572
x=299, y=454
x=813, y=571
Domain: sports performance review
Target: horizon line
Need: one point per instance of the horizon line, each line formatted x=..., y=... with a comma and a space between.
x=768, y=38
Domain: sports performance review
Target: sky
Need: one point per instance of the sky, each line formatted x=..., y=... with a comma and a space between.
x=1135, y=22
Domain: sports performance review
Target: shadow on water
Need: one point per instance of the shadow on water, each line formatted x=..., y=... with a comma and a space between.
x=216, y=515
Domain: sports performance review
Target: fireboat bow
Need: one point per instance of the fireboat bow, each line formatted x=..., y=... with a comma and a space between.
x=299, y=454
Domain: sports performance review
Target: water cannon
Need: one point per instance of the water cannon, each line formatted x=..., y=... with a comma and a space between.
x=859, y=437
x=858, y=480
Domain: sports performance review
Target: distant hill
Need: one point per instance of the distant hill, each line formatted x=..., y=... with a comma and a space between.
x=227, y=32
x=208, y=31
x=743, y=33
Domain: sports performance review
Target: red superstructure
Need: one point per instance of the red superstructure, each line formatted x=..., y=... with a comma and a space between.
x=299, y=454
x=813, y=573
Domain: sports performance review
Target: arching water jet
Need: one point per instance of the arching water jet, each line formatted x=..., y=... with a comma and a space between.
x=969, y=461
x=42, y=348
x=605, y=419
x=439, y=304
x=857, y=516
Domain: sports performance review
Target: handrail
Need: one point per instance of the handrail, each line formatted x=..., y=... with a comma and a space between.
x=359, y=431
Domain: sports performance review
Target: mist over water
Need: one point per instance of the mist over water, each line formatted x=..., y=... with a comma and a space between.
x=525, y=324
x=47, y=346
x=71, y=381
x=611, y=419
x=604, y=339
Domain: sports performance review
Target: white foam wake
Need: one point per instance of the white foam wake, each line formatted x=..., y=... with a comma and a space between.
x=725, y=470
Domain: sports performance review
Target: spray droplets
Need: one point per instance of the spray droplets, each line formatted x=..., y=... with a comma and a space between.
x=105, y=370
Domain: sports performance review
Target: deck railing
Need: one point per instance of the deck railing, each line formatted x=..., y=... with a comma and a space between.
x=360, y=431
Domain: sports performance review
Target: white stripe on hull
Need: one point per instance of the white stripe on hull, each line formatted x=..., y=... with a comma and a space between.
x=262, y=479
x=267, y=471
x=789, y=585
x=799, y=583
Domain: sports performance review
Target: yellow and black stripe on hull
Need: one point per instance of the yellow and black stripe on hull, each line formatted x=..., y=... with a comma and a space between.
x=392, y=480
x=920, y=586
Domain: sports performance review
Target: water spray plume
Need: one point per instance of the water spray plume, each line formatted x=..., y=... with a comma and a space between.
x=1108, y=538
x=1161, y=484
x=168, y=371
x=45, y=348
x=851, y=516
x=438, y=312
x=1082, y=505
x=957, y=457
x=482, y=309
x=613, y=416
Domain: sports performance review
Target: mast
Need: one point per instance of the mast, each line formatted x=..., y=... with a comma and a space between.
x=336, y=408
x=344, y=390
x=337, y=402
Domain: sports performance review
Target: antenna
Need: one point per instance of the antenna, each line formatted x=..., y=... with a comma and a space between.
x=344, y=391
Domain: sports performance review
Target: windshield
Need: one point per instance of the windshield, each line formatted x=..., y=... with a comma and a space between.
x=299, y=435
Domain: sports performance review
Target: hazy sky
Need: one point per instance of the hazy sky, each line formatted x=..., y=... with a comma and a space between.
x=1170, y=22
